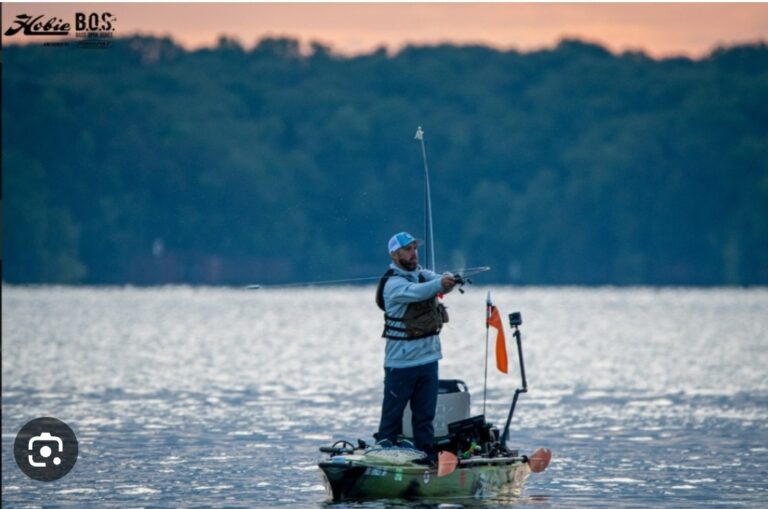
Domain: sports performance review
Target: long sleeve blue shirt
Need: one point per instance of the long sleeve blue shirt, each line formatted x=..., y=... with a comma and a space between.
x=398, y=293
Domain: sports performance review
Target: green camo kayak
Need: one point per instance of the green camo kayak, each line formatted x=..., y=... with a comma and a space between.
x=355, y=477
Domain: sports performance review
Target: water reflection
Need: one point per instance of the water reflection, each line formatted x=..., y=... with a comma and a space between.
x=218, y=397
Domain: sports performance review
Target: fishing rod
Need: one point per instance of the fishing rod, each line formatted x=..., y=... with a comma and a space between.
x=461, y=275
x=429, y=235
x=312, y=283
x=487, y=332
x=429, y=241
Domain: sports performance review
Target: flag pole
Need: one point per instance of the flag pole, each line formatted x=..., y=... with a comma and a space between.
x=487, y=325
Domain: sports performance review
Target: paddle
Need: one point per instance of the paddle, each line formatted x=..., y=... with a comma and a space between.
x=539, y=460
x=446, y=463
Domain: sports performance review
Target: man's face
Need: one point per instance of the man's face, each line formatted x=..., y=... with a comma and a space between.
x=407, y=257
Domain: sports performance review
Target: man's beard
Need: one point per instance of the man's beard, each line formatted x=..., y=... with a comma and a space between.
x=407, y=264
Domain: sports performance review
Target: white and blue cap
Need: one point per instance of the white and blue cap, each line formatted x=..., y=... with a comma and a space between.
x=401, y=239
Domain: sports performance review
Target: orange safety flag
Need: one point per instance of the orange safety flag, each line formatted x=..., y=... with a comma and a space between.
x=494, y=320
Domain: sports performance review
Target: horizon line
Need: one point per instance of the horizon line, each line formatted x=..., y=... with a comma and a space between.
x=306, y=45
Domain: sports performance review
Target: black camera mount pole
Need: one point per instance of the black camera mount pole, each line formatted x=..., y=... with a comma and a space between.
x=515, y=319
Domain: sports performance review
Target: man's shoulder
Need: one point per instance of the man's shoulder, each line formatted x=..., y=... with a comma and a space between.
x=395, y=273
x=395, y=277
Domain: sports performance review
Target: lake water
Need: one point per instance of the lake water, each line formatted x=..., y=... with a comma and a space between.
x=199, y=397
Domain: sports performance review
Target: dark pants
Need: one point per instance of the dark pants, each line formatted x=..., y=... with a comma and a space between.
x=419, y=386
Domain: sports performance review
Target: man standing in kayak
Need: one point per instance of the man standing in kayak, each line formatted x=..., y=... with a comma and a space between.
x=413, y=317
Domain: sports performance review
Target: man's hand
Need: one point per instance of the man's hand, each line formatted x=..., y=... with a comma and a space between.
x=448, y=281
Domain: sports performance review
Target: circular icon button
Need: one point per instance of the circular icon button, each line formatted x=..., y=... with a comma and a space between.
x=45, y=449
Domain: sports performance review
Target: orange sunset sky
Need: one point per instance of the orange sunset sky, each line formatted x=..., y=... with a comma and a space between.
x=661, y=30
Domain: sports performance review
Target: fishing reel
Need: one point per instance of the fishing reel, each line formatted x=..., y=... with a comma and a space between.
x=461, y=280
x=462, y=276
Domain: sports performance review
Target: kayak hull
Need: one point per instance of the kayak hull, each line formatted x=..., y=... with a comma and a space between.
x=353, y=479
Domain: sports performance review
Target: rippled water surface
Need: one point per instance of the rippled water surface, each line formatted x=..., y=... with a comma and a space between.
x=221, y=397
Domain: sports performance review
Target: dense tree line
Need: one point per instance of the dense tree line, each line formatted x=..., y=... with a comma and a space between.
x=146, y=163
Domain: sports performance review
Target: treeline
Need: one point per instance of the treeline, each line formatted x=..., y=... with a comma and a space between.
x=144, y=163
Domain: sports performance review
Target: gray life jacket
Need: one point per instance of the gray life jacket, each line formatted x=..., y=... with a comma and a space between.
x=421, y=319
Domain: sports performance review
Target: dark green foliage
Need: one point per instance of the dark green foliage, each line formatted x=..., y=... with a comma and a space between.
x=144, y=163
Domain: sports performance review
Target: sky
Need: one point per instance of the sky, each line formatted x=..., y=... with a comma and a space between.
x=660, y=30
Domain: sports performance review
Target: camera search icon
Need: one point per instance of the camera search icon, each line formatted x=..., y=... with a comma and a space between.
x=45, y=449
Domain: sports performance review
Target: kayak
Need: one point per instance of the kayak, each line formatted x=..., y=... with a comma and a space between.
x=360, y=475
x=471, y=463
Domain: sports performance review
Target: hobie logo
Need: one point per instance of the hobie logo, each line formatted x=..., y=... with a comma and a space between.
x=38, y=25
x=91, y=29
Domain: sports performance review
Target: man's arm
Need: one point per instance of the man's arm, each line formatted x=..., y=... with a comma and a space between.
x=448, y=280
x=399, y=289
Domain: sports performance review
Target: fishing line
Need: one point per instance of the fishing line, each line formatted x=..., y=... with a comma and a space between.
x=462, y=273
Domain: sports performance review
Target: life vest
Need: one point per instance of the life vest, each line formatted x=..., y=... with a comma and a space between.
x=421, y=319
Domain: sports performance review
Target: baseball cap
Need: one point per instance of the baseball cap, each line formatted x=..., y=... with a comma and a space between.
x=401, y=239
